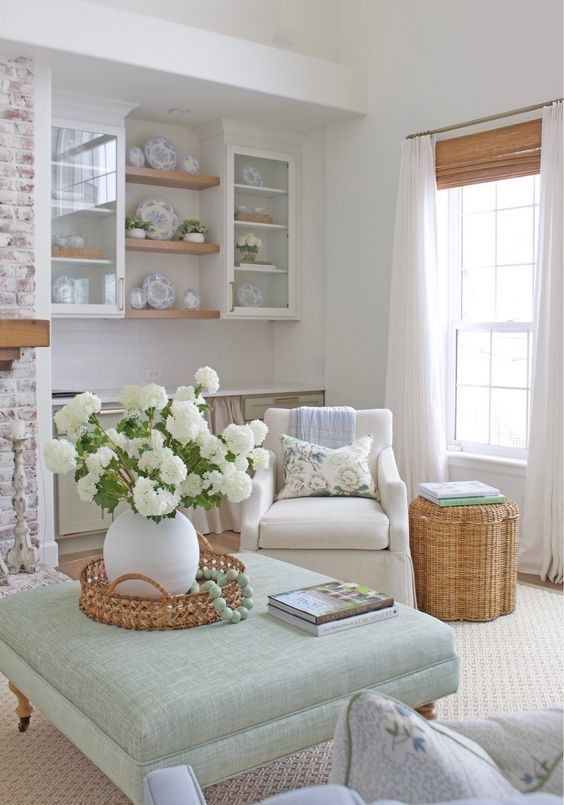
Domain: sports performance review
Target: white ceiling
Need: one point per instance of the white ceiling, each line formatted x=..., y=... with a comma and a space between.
x=156, y=92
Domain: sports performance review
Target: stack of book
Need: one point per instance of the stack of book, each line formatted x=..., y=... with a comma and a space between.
x=331, y=607
x=461, y=493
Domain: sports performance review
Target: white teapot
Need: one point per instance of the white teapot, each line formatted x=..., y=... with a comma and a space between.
x=190, y=164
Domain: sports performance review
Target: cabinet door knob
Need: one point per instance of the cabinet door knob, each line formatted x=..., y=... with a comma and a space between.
x=232, y=308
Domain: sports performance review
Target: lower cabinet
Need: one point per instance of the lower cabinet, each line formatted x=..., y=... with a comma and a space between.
x=73, y=515
x=254, y=405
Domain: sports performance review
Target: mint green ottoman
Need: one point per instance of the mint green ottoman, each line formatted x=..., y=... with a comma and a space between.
x=220, y=698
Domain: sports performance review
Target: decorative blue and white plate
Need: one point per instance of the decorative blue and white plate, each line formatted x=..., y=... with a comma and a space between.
x=250, y=175
x=63, y=290
x=159, y=291
x=249, y=295
x=191, y=300
x=136, y=157
x=162, y=215
x=161, y=154
x=137, y=298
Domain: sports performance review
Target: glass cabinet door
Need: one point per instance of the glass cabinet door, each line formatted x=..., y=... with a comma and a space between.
x=260, y=215
x=85, y=275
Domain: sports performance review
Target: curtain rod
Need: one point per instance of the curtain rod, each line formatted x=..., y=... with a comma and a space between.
x=485, y=119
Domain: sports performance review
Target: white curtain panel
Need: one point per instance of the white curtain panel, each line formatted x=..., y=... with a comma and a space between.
x=417, y=340
x=542, y=530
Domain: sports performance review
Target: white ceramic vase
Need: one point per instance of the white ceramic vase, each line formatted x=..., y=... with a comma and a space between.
x=136, y=233
x=167, y=552
x=194, y=237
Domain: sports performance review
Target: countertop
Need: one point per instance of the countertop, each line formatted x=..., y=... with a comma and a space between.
x=244, y=390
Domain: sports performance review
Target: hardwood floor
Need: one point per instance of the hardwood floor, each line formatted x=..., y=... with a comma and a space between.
x=527, y=578
x=72, y=563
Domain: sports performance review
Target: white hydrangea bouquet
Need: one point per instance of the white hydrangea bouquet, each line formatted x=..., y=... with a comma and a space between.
x=161, y=455
x=248, y=246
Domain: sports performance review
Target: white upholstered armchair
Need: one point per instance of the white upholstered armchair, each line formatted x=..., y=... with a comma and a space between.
x=352, y=538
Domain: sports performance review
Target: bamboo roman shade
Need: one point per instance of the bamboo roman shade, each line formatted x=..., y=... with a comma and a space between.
x=489, y=155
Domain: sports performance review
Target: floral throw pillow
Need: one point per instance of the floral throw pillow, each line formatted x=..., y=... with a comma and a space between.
x=386, y=751
x=311, y=470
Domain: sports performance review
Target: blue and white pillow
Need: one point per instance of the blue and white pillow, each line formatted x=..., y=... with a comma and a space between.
x=311, y=470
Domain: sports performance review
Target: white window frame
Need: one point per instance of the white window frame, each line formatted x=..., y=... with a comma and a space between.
x=457, y=324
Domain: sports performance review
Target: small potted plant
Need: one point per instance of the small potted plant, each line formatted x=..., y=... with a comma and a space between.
x=192, y=231
x=137, y=227
x=248, y=246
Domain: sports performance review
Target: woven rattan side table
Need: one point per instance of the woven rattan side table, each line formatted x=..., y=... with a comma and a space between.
x=465, y=559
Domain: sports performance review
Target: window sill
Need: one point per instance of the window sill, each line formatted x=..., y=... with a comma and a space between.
x=509, y=466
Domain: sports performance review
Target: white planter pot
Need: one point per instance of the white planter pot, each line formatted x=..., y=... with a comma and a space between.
x=136, y=233
x=194, y=237
x=167, y=552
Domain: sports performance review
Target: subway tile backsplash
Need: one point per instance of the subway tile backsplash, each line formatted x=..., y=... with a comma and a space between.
x=96, y=354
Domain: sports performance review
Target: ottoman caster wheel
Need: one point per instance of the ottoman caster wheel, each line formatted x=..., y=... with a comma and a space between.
x=24, y=708
x=428, y=711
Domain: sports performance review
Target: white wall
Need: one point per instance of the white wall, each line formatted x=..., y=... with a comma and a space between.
x=299, y=346
x=429, y=64
x=106, y=354
x=307, y=26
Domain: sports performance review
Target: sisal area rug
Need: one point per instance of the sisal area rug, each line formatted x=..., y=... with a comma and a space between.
x=512, y=663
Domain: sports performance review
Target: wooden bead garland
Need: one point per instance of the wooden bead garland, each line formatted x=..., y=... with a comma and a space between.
x=214, y=580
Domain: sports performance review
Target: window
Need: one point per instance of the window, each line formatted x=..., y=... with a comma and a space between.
x=489, y=243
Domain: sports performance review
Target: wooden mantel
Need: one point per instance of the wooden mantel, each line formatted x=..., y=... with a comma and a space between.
x=18, y=333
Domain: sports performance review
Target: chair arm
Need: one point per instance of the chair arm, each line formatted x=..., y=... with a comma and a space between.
x=317, y=795
x=176, y=785
x=393, y=498
x=256, y=506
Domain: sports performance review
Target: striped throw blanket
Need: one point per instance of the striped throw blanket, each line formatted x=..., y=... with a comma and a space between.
x=329, y=427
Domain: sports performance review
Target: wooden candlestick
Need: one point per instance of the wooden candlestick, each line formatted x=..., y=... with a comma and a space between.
x=23, y=556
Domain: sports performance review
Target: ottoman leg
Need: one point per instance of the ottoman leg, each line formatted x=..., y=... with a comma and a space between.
x=428, y=711
x=24, y=708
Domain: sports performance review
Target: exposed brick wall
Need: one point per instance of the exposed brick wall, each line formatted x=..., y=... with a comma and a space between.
x=17, y=275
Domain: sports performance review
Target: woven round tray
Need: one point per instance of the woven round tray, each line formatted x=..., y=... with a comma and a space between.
x=100, y=601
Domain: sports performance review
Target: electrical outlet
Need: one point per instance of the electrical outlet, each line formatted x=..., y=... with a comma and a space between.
x=319, y=365
x=153, y=374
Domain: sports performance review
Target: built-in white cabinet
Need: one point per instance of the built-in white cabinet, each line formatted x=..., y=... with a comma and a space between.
x=73, y=515
x=260, y=243
x=87, y=251
x=256, y=274
x=248, y=268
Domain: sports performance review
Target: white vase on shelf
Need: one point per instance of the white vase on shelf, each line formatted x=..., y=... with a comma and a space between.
x=194, y=237
x=167, y=552
x=135, y=233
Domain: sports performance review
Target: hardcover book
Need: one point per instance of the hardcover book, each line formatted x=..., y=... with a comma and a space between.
x=331, y=601
x=471, y=501
x=458, y=489
x=334, y=626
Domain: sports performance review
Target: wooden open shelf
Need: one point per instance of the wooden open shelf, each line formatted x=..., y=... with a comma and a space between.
x=171, y=314
x=183, y=181
x=18, y=333
x=24, y=333
x=169, y=246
